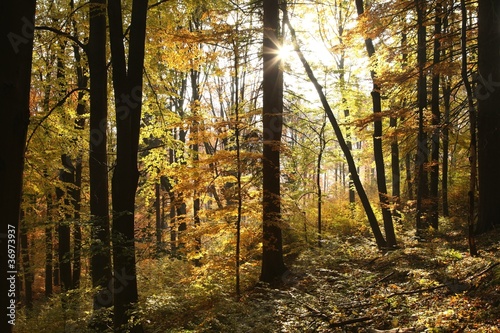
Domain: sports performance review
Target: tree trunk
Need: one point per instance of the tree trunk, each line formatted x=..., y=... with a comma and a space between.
x=127, y=84
x=195, y=86
x=26, y=264
x=158, y=220
x=66, y=176
x=322, y=147
x=16, y=43
x=488, y=122
x=81, y=109
x=436, y=122
x=100, y=263
x=446, y=141
x=48, y=261
x=409, y=180
x=472, y=129
x=273, y=266
x=395, y=170
x=422, y=149
x=49, y=250
x=377, y=144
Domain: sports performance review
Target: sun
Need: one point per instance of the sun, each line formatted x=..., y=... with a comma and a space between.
x=285, y=52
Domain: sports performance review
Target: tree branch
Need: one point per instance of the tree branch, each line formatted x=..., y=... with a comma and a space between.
x=59, y=104
x=63, y=34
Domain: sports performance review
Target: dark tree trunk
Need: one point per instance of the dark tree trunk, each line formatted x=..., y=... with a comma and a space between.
x=422, y=157
x=322, y=147
x=100, y=263
x=158, y=220
x=488, y=122
x=372, y=219
x=81, y=110
x=49, y=248
x=472, y=129
x=66, y=175
x=273, y=266
x=377, y=144
x=77, y=228
x=446, y=141
x=127, y=84
x=395, y=170
x=436, y=122
x=16, y=43
x=48, y=260
x=26, y=264
x=409, y=180
x=195, y=86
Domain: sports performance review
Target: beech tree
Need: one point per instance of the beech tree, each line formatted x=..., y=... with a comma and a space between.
x=488, y=121
x=377, y=143
x=16, y=33
x=272, y=118
x=127, y=84
x=101, y=269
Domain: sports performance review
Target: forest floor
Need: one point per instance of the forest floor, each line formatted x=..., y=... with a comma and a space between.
x=348, y=285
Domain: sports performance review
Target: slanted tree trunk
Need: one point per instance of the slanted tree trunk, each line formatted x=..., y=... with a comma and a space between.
x=488, y=122
x=273, y=266
x=127, y=84
x=379, y=238
x=377, y=144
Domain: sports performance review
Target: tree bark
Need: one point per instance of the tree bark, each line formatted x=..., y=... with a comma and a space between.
x=395, y=170
x=26, y=266
x=49, y=250
x=488, y=122
x=472, y=129
x=127, y=84
x=100, y=263
x=436, y=121
x=16, y=43
x=422, y=148
x=446, y=143
x=66, y=176
x=81, y=110
x=377, y=144
x=273, y=266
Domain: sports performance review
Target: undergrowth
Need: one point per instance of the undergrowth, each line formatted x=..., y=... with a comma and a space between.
x=347, y=285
